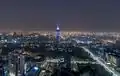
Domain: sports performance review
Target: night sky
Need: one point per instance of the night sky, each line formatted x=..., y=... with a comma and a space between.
x=80, y=15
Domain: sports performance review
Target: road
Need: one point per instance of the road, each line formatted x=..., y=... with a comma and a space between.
x=73, y=61
x=100, y=62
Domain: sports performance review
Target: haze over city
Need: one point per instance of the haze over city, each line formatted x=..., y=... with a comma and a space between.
x=80, y=15
x=59, y=38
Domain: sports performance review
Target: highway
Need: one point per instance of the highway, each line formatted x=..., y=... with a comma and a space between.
x=100, y=62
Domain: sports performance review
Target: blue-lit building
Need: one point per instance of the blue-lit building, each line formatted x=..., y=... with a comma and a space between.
x=58, y=33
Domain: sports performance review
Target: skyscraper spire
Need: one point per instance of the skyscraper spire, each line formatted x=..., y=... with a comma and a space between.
x=57, y=27
x=57, y=33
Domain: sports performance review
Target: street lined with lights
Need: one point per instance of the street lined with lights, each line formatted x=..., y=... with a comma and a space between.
x=100, y=62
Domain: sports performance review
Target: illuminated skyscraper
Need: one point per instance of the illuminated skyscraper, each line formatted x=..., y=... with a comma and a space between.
x=58, y=33
x=21, y=63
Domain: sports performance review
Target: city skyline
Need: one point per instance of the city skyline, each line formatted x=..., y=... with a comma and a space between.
x=59, y=38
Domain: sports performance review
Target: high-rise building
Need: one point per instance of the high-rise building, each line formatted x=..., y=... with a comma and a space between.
x=1, y=67
x=16, y=63
x=21, y=64
x=58, y=33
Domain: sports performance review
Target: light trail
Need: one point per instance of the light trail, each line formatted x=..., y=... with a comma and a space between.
x=100, y=62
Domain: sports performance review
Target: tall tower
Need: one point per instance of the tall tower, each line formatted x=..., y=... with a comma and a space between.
x=58, y=33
